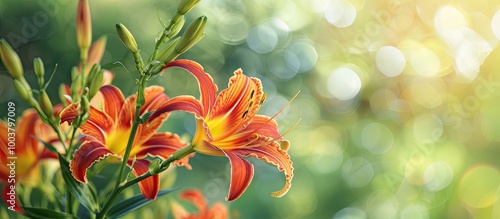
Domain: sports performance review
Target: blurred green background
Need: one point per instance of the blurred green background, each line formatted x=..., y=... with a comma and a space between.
x=397, y=97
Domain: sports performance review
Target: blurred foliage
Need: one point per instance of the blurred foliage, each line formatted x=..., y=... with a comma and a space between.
x=397, y=97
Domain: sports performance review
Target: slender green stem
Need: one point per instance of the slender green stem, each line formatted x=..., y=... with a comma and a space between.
x=179, y=154
x=117, y=190
x=59, y=135
x=70, y=149
x=164, y=35
x=69, y=202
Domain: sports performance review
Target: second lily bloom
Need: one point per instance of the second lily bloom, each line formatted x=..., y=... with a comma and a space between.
x=228, y=125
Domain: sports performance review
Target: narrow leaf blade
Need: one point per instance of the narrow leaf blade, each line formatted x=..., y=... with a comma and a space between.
x=133, y=203
x=85, y=194
x=47, y=145
x=42, y=213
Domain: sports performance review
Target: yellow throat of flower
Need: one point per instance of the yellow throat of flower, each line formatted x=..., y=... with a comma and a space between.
x=117, y=140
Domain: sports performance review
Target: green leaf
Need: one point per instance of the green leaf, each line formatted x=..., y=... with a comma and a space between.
x=133, y=203
x=42, y=213
x=47, y=145
x=85, y=194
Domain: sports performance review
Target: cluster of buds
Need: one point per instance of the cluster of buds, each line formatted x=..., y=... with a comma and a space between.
x=15, y=68
x=172, y=46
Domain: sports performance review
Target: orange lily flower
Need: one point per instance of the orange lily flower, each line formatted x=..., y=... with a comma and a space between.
x=228, y=125
x=107, y=132
x=217, y=211
x=21, y=164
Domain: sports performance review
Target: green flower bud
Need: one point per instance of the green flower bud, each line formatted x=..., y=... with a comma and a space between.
x=96, y=68
x=95, y=85
x=127, y=38
x=85, y=104
x=45, y=104
x=38, y=66
x=167, y=50
x=39, y=70
x=11, y=60
x=176, y=27
x=76, y=86
x=74, y=73
x=192, y=35
x=186, y=5
x=22, y=90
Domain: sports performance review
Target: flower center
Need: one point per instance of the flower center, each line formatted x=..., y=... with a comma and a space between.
x=117, y=140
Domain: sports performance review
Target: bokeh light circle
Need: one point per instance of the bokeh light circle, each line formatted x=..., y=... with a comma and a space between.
x=479, y=185
x=357, y=172
x=350, y=213
x=382, y=204
x=425, y=62
x=233, y=29
x=301, y=56
x=495, y=24
x=437, y=176
x=262, y=39
x=344, y=83
x=449, y=22
x=340, y=13
x=327, y=157
x=377, y=138
x=390, y=61
x=415, y=211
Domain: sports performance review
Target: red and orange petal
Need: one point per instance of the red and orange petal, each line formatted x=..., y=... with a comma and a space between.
x=208, y=89
x=269, y=151
x=163, y=145
x=216, y=211
x=149, y=186
x=261, y=125
x=89, y=153
x=97, y=126
x=241, y=175
x=236, y=105
x=153, y=97
x=196, y=198
x=112, y=100
x=180, y=103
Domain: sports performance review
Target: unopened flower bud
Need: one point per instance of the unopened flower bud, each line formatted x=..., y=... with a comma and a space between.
x=192, y=35
x=97, y=50
x=85, y=104
x=45, y=103
x=83, y=25
x=76, y=86
x=96, y=68
x=38, y=66
x=11, y=60
x=127, y=38
x=22, y=90
x=168, y=49
x=186, y=5
x=96, y=83
x=39, y=70
x=176, y=27
x=74, y=73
